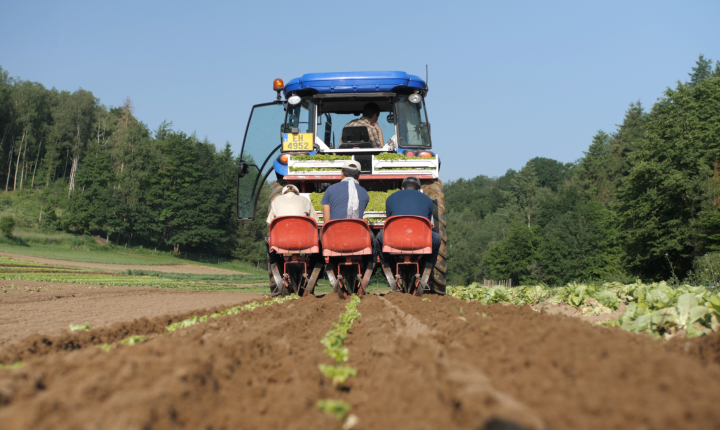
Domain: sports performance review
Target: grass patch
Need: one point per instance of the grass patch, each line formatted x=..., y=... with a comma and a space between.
x=221, y=279
x=59, y=275
x=64, y=246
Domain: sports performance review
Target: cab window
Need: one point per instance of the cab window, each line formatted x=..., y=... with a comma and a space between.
x=412, y=123
x=300, y=117
x=335, y=114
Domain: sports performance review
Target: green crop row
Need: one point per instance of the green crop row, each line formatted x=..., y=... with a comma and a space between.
x=230, y=311
x=315, y=169
x=320, y=157
x=405, y=168
x=105, y=280
x=9, y=261
x=334, y=339
x=657, y=309
x=376, y=203
x=392, y=156
x=26, y=269
x=135, y=339
x=334, y=342
x=118, y=281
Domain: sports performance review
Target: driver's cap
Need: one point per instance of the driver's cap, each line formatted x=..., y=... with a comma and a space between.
x=351, y=164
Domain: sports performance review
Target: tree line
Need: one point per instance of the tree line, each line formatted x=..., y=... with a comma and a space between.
x=100, y=171
x=642, y=201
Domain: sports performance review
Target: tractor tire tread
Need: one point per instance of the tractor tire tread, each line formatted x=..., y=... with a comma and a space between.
x=436, y=191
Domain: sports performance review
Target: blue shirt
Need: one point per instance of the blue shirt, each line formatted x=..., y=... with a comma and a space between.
x=409, y=202
x=337, y=197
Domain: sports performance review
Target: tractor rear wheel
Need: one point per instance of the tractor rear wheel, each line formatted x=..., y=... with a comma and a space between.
x=436, y=192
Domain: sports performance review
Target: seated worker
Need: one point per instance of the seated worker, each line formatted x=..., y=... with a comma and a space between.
x=289, y=202
x=409, y=201
x=346, y=199
x=371, y=113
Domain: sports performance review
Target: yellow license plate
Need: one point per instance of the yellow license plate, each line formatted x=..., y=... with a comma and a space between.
x=297, y=142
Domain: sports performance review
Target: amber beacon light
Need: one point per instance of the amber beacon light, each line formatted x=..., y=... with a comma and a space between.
x=278, y=85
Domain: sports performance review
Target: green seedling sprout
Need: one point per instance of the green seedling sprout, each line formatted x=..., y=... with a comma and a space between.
x=334, y=407
x=15, y=365
x=132, y=340
x=80, y=327
x=338, y=374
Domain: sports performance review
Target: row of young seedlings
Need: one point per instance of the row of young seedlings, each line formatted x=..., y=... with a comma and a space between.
x=134, y=339
x=334, y=342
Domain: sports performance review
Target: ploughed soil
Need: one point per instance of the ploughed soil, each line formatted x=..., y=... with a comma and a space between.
x=432, y=364
x=28, y=307
x=166, y=268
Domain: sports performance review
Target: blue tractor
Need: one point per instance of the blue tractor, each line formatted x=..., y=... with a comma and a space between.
x=304, y=139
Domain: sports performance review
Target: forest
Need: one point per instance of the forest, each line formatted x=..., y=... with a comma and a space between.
x=642, y=201
x=98, y=170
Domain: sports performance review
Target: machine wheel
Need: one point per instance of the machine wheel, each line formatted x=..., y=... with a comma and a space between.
x=438, y=280
x=275, y=190
x=272, y=279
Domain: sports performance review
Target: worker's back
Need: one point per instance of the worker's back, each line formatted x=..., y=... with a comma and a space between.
x=409, y=202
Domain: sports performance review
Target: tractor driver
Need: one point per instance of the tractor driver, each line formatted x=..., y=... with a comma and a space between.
x=409, y=201
x=288, y=203
x=371, y=113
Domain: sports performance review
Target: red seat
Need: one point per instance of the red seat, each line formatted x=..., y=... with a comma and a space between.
x=346, y=237
x=407, y=234
x=294, y=235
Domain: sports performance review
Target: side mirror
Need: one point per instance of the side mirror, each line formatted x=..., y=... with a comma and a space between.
x=242, y=169
x=391, y=118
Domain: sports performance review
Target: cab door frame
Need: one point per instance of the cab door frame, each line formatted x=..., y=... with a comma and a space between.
x=244, y=167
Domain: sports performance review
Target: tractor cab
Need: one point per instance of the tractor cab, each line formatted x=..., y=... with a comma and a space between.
x=316, y=119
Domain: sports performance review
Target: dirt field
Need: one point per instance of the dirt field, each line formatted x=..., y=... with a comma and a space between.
x=432, y=364
x=166, y=268
x=47, y=309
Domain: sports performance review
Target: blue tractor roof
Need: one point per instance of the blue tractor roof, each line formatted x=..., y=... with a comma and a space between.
x=350, y=82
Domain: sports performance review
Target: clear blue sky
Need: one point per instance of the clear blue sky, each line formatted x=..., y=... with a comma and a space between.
x=509, y=81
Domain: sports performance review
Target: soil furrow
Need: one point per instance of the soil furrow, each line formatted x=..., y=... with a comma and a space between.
x=256, y=369
x=420, y=364
x=407, y=380
x=572, y=374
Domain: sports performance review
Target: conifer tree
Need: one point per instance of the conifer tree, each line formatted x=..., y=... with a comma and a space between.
x=701, y=71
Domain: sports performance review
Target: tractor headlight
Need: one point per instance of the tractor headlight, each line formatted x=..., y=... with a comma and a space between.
x=294, y=99
x=415, y=98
